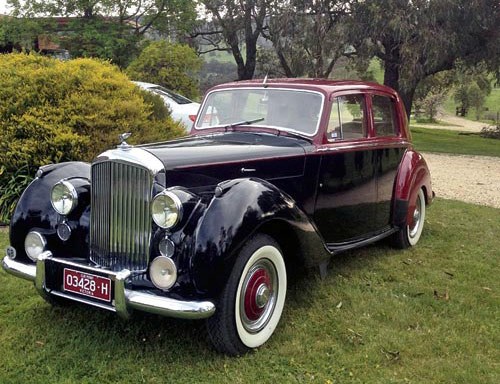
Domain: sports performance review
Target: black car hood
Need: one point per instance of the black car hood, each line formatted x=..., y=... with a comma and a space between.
x=207, y=160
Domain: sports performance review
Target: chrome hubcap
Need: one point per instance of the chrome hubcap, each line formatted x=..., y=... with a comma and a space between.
x=413, y=229
x=262, y=296
x=258, y=295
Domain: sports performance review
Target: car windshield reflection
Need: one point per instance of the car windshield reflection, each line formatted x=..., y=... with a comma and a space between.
x=289, y=110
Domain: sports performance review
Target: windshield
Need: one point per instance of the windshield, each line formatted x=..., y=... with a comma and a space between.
x=285, y=109
x=174, y=96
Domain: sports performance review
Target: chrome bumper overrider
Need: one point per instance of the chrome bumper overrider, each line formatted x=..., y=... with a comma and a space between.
x=124, y=300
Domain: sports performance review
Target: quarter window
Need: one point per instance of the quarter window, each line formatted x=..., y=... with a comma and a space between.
x=384, y=116
x=347, y=118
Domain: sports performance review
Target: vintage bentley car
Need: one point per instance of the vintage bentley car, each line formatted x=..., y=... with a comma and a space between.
x=274, y=173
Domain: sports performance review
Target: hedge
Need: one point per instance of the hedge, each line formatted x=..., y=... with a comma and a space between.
x=53, y=111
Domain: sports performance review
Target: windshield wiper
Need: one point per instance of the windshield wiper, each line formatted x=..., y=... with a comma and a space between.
x=244, y=122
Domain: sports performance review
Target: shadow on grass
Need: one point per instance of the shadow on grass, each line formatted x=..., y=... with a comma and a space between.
x=81, y=330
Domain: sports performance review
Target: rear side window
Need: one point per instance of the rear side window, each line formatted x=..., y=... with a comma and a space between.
x=384, y=116
x=347, y=118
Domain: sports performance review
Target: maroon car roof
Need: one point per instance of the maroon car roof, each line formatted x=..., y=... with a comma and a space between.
x=320, y=84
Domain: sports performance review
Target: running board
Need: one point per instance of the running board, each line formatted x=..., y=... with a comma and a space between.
x=335, y=248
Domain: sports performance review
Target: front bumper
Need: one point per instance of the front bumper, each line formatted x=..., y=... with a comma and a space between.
x=124, y=299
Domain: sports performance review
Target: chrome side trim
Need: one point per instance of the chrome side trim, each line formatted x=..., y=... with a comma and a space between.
x=125, y=299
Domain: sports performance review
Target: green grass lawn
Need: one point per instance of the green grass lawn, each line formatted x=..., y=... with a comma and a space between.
x=447, y=141
x=425, y=315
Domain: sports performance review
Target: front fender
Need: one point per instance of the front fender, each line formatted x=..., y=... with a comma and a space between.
x=413, y=174
x=238, y=210
x=34, y=210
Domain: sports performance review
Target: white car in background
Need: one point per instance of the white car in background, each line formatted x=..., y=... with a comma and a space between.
x=182, y=109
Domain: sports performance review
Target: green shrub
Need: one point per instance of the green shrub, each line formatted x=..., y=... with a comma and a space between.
x=53, y=111
x=172, y=65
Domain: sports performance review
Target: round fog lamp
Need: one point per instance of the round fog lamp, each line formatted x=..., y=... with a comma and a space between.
x=166, y=247
x=163, y=272
x=34, y=245
x=63, y=197
x=64, y=231
x=166, y=209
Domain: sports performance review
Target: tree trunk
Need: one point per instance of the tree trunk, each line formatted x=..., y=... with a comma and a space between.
x=407, y=98
x=251, y=52
x=391, y=79
x=284, y=63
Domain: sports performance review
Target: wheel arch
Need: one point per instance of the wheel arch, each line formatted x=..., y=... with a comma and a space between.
x=288, y=240
x=413, y=174
x=242, y=208
x=34, y=210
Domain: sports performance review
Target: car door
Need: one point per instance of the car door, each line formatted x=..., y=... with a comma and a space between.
x=346, y=199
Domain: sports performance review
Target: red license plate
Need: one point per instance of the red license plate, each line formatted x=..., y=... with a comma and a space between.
x=87, y=284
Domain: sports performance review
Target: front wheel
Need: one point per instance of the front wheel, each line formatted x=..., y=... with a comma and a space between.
x=409, y=235
x=252, y=301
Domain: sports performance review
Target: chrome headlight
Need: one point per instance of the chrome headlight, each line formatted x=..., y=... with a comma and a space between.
x=63, y=197
x=163, y=272
x=166, y=209
x=34, y=245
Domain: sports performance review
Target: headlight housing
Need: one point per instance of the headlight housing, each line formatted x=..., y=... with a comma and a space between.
x=163, y=272
x=166, y=209
x=34, y=245
x=63, y=197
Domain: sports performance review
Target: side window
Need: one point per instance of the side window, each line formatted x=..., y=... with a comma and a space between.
x=347, y=118
x=334, y=132
x=384, y=116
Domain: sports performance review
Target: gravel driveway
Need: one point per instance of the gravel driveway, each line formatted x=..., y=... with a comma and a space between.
x=473, y=179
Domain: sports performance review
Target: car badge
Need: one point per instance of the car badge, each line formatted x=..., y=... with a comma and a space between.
x=123, y=144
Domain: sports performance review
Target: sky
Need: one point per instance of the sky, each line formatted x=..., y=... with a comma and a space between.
x=3, y=6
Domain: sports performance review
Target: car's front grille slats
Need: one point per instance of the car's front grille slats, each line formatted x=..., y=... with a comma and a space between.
x=120, y=221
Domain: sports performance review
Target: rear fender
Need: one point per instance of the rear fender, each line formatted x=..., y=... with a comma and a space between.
x=413, y=174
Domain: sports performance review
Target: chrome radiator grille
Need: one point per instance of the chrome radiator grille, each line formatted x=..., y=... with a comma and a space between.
x=120, y=222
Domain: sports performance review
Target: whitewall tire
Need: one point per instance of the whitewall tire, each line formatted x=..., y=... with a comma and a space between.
x=252, y=302
x=409, y=235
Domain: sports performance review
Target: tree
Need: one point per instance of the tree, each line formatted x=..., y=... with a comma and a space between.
x=174, y=66
x=472, y=85
x=237, y=25
x=417, y=39
x=18, y=34
x=109, y=29
x=308, y=35
x=431, y=93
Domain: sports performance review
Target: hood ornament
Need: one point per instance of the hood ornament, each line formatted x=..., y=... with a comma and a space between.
x=123, y=144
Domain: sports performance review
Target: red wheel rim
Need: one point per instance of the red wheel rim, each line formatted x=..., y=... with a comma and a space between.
x=258, y=295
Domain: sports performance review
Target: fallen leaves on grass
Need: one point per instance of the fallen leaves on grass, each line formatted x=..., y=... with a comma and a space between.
x=391, y=355
x=355, y=337
x=445, y=296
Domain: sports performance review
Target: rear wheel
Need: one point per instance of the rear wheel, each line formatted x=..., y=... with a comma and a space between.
x=251, y=304
x=409, y=235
